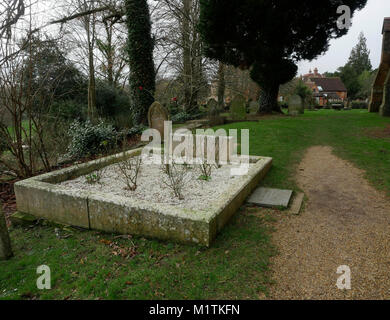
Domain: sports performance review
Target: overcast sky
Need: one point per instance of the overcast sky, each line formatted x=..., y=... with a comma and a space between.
x=370, y=21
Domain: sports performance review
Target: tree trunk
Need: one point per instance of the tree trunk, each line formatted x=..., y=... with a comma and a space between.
x=187, y=53
x=221, y=85
x=91, y=92
x=5, y=242
x=140, y=47
x=91, y=67
x=269, y=100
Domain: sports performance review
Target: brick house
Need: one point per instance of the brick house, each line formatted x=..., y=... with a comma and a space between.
x=326, y=90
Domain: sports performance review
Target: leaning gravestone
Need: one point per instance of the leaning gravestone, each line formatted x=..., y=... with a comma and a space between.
x=157, y=115
x=253, y=107
x=238, y=108
x=295, y=106
x=212, y=104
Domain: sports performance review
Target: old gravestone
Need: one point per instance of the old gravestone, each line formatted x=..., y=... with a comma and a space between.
x=295, y=105
x=213, y=114
x=253, y=107
x=238, y=108
x=157, y=115
x=212, y=104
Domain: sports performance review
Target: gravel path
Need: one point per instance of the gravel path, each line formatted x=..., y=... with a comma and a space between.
x=345, y=222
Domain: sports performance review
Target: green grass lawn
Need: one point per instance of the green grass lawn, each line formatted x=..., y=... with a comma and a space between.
x=92, y=265
x=25, y=125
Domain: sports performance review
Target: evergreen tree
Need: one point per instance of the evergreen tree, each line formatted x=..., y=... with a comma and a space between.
x=140, y=53
x=357, y=73
x=270, y=37
x=359, y=59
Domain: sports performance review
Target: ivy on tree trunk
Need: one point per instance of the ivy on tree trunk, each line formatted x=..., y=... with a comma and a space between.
x=140, y=47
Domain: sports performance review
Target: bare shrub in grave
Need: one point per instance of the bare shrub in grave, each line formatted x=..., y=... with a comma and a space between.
x=205, y=170
x=175, y=177
x=129, y=170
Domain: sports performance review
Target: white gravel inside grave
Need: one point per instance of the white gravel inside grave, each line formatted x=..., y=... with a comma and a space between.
x=198, y=194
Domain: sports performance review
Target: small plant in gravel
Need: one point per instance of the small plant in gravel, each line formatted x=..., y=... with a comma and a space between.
x=95, y=177
x=205, y=170
x=176, y=176
x=92, y=178
x=129, y=170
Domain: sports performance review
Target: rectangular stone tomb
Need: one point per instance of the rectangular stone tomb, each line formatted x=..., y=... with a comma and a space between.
x=269, y=198
x=47, y=197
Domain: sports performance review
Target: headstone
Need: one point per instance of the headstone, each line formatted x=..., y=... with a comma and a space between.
x=270, y=198
x=213, y=114
x=212, y=104
x=253, y=107
x=157, y=115
x=238, y=108
x=295, y=105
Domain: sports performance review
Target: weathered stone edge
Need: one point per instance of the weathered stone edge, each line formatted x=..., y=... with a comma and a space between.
x=38, y=196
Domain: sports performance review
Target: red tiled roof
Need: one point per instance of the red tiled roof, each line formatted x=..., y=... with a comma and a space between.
x=330, y=84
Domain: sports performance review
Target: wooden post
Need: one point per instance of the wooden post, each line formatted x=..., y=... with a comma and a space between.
x=5, y=242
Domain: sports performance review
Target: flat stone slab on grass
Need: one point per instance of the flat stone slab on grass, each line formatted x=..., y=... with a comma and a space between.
x=266, y=197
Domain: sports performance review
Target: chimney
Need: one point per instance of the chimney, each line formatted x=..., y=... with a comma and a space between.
x=316, y=72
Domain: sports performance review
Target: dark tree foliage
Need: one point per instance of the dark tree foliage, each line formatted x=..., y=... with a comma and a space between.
x=269, y=37
x=140, y=54
x=53, y=77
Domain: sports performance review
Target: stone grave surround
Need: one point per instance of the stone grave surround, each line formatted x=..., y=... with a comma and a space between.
x=238, y=108
x=157, y=115
x=295, y=105
x=380, y=95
